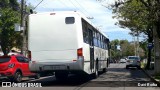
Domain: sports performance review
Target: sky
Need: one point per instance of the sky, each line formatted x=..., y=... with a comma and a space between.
x=102, y=17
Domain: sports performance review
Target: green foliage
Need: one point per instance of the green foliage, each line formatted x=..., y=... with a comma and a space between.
x=9, y=16
x=143, y=65
x=13, y=4
x=126, y=49
x=157, y=77
x=140, y=16
x=143, y=45
x=132, y=15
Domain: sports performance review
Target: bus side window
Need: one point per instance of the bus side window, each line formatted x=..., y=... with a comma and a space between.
x=85, y=32
x=107, y=43
x=99, y=40
x=95, y=38
x=85, y=36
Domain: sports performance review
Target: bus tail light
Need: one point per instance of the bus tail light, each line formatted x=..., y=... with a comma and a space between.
x=80, y=52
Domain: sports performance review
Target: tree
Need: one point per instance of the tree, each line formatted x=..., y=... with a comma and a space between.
x=13, y=4
x=126, y=49
x=143, y=45
x=115, y=53
x=154, y=9
x=9, y=11
x=123, y=45
x=141, y=16
x=138, y=17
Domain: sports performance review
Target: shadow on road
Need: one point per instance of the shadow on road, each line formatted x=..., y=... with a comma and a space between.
x=72, y=80
x=116, y=76
x=118, y=72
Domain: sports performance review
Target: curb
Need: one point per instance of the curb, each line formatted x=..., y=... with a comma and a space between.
x=158, y=83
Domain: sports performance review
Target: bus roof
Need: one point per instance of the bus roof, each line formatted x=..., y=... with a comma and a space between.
x=73, y=13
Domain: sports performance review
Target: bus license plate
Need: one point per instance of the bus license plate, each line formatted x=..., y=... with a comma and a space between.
x=56, y=67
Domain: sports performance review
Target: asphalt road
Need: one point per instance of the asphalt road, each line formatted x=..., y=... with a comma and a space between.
x=116, y=78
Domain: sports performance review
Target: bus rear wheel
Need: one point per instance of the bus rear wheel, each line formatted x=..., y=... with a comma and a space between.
x=104, y=70
x=95, y=74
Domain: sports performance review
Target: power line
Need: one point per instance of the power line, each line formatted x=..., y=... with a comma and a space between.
x=73, y=4
x=87, y=14
x=77, y=7
x=82, y=7
x=62, y=3
x=44, y=5
x=38, y=4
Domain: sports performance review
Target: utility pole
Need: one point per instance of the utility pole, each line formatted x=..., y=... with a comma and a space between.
x=22, y=8
x=23, y=28
x=156, y=51
x=135, y=49
x=137, y=43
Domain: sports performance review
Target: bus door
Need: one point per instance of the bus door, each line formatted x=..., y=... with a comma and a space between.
x=91, y=49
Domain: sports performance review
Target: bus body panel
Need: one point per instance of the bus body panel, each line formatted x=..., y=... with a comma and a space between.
x=102, y=56
x=53, y=44
x=86, y=54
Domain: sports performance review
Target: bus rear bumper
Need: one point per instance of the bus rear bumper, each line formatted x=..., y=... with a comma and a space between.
x=55, y=66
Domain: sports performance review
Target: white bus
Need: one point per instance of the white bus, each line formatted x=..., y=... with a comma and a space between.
x=66, y=42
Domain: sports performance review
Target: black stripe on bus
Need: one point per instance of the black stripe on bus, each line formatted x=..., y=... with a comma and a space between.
x=95, y=60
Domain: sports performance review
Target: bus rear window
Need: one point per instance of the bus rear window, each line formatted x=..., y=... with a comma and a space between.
x=4, y=59
x=69, y=20
x=133, y=58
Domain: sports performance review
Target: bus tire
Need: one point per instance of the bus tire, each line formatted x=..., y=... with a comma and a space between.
x=37, y=76
x=104, y=70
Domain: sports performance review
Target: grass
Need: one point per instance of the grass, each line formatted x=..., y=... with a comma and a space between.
x=157, y=77
x=143, y=64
